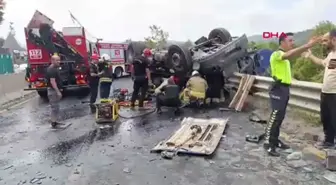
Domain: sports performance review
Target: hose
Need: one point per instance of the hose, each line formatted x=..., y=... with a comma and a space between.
x=137, y=116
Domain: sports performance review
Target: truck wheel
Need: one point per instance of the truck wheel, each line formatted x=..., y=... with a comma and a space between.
x=43, y=94
x=222, y=35
x=134, y=49
x=179, y=59
x=118, y=72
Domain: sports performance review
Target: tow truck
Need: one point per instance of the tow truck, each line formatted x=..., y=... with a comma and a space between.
x=72, y=46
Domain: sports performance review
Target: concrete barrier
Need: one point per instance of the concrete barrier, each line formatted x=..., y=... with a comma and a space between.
x=11, y=89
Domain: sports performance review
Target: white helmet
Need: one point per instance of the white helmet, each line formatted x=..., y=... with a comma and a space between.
x=194, y=73
x=105, y=56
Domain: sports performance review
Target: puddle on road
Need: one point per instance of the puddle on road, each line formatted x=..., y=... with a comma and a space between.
x=30, y=158
x=66, y=151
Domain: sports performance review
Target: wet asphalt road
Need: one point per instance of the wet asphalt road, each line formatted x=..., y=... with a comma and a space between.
x=32, y=153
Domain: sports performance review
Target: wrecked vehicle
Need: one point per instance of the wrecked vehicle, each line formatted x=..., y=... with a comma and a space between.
x=219, y=49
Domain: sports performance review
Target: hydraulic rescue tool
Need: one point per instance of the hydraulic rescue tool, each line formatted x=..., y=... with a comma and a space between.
x=195, y=130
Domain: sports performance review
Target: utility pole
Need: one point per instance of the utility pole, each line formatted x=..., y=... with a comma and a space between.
x=11, y=28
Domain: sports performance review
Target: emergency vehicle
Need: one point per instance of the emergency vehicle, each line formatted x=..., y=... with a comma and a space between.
x=74, y=48
x=115, y=53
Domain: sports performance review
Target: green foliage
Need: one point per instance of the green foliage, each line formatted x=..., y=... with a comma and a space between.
x=158, y=38
x=2, y=41
x=263, y=45
x=188, y=44
x=2, y=8
x=304, y=69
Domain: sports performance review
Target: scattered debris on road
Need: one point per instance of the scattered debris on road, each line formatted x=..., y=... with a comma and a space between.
x=331, y=160
x=330, y=177
x=127, y=170
x=294, y=156
x=253, y=117
x=255, y=138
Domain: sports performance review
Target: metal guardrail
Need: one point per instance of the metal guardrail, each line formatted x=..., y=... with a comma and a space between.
x=303, y=95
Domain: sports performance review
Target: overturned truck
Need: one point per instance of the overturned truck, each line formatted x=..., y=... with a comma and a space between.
x=219, y=49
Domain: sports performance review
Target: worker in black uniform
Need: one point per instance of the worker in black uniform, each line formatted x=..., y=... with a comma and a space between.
x=106, y=78
x=168, y=95
x=141, y=77
x=215, y=82
x=94, y=81
x=279, y=90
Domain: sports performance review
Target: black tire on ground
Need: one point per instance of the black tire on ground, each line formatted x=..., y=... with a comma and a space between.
x=43, y=94
x=222, y=34
x=118, y=72
x=179, y=59
x=134, y=49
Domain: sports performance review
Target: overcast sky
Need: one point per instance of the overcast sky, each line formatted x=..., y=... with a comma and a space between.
x=118, y=20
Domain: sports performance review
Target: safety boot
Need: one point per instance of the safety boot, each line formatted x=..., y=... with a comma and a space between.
x=271, y=150
x=158, y=111
x=93, y=108
x=324, y=145
x=282, y=145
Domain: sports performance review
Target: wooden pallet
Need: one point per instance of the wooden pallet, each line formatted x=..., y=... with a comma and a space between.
x=244, y=88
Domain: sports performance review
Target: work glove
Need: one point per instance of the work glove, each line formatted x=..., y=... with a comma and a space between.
x=157, y=91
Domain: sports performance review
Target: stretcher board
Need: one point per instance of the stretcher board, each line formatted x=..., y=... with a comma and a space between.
x=204, y=143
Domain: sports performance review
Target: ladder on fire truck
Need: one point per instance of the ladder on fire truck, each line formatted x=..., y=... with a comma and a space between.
x=41, y=33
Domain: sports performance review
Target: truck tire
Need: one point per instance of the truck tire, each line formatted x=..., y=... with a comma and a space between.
x=179, y=59
x=118, y=72
x=43, y=94
x=134, y=49
x=222, y=34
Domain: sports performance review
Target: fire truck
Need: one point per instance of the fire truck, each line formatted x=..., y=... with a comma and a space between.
x=115, y=53
x=74, y=48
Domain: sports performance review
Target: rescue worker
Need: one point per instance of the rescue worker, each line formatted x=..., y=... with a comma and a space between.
x=279, y=90
x=141, y=77
x=168, y=95
x=196, y=87
x=328, y=94
x=54, y=84
x=216, y=83
x=27, y=76
x=94, y=81
x=105, y=80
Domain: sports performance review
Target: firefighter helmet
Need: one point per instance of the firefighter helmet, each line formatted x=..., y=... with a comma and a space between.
x=147, y=52
x=105, y=57
x=95, y=57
